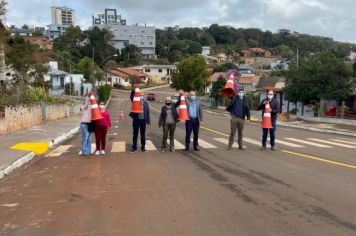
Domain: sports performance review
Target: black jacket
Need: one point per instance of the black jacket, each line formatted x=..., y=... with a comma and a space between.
x=146, y=110
x=245, y=111
x=163, y=115
x=274, y=104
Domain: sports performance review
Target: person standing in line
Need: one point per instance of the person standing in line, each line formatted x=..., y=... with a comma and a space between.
x=193, y=124
x=139, y=123
x=168, y=119
x=274, y=105
x=86, y=127
x=101, y=129
x=239, y=111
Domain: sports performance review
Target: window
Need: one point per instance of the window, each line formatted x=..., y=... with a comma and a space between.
x=160, y=70
x=151, y=43
x=142, y=43
x=147, y=70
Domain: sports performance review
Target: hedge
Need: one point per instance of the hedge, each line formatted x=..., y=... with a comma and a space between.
x=104, y=93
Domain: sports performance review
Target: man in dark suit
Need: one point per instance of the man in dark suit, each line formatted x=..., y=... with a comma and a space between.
x=274, y=105
x=139, y=123
x=193, y=124
x=239, y=111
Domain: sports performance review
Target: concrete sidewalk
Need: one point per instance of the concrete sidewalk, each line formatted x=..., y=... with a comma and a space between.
x=47, y=135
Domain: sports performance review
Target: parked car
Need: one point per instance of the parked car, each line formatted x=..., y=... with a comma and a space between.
x=118, y=86
x=151, y=97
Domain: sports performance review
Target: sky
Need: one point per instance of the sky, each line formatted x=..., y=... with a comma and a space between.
x=330, y=18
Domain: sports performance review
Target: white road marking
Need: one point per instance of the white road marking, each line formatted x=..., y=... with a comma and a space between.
x=118, y=147
x=288, y=144
x=177, y=145
x=308, y=143
x=150, y=146
x=344, y=141
x=59, y=151
x=204, y=144
x=332, y=143
x=226, y=142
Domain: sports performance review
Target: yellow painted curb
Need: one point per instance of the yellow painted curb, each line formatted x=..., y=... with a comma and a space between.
x=37, y=148
x=254, y=119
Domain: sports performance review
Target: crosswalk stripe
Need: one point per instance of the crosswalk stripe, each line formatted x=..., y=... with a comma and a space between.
x=332, y=143
x=150, y=146
x=289, y=144
x=59, y=151
x=308, y=143
x=226, y=142
x=205, y=144
x=344, y=141
x=93, y=147
x=177, y=145
x=254, y=141
x=118, y=147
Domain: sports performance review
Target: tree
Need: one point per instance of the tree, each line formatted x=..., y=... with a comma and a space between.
x=175, y=56
x=216, y=89
x=283, y=50
x=191, y=74
x=131, y=55
x=252, y=43
x=70, y=42
x=85, y=67
x=37, y=34
x=99, y=41
x=194, y=48
x=225, y=67
x=25, y=26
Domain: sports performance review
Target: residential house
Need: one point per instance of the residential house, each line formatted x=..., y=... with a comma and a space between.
x=256, y=52
x=59, y=79
x=244, y=69
x=21, y=32
x=206, y=50
x=123, y=76
x=54, y=31
x=40, y=41
x=212, y=79
x=248, y=82
x=274, y=83
x=158, y=74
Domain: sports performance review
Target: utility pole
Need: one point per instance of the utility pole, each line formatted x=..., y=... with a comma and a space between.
x=93, y=73
x=297, y=58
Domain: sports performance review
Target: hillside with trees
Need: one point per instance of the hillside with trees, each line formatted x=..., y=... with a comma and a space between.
x=176, y=43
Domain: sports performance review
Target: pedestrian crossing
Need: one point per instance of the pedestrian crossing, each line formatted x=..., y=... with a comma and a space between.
x=216, y=143
x=120, y=99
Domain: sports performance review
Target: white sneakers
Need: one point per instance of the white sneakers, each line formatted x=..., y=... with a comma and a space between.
x=98, y=152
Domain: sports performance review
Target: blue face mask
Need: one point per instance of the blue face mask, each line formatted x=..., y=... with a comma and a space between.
x=192, y=98
x=241, y=95
x=270, y=97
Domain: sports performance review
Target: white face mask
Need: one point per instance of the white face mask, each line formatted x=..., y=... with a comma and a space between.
x=102, y=107
x=241, y=95
x=270, y=97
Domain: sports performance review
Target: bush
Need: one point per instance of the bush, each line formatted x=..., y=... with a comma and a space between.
x=104, y=93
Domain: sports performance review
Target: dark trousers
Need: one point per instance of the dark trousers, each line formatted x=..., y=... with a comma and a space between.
x=272, y=133
x=236, y=124
x=100, y=137
x=168, y=129
x=192, y=125
x=139, y=125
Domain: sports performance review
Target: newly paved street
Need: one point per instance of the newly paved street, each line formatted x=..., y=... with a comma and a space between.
x=306, y=187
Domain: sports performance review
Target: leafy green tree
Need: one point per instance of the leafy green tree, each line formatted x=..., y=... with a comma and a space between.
x=216, y=89
x=283, y=50
x=175, y=56
x=131, y=55
x=194, y=48
x=85, y=67
x=253, y=100
x=225, y=67
x=191, y=74
x=241, y=44
x=252, y=43
x=71, y=42
x=99, y=42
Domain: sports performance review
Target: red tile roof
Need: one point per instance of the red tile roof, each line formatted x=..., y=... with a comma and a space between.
x=132, y=72
x=118, y=73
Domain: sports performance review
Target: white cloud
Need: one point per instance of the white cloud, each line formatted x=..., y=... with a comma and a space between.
x=318, y=17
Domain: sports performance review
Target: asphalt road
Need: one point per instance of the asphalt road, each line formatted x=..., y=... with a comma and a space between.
x=306, y=187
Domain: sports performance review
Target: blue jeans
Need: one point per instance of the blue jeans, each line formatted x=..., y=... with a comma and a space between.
x=272, y=133
x=192, y=125
x=86, y=139
x=138, y=125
